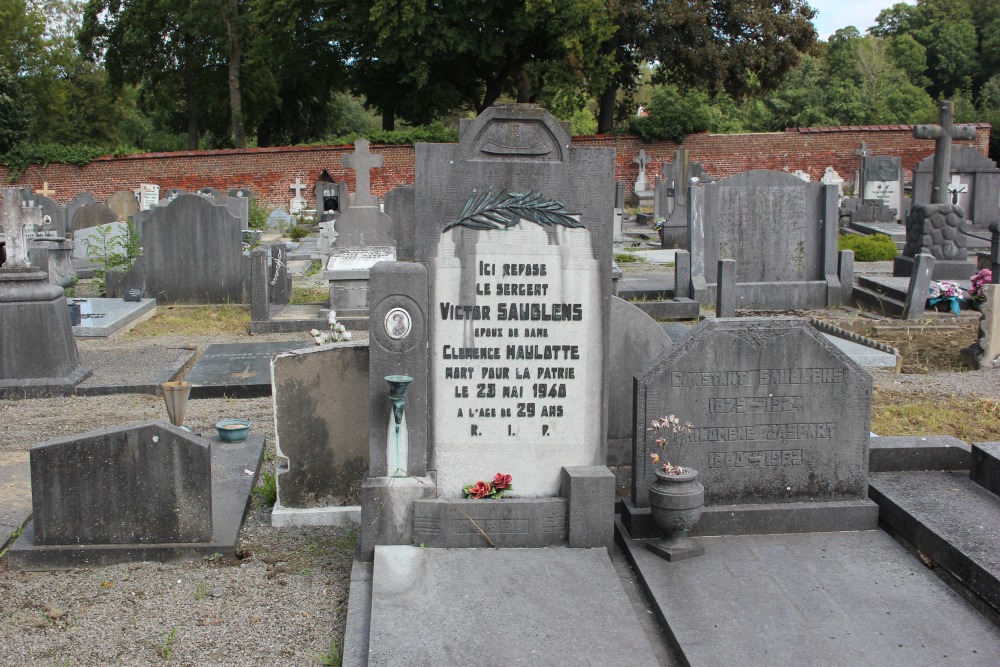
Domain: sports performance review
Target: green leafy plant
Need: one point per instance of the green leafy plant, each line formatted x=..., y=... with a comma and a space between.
x=314, y=267
x=22, y=155
x=873, y=248
x=297, y=232
x=257, y=214
x=268, y=489
x=332, y=658
x=627, y=258
x=111, y=251
x=165, y=648
x=200, y=591
x=70, y=291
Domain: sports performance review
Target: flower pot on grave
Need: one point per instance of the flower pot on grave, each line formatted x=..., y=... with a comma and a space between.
x=676, y=502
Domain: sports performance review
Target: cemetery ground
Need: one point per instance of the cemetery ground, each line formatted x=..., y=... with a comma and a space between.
x=284, y=599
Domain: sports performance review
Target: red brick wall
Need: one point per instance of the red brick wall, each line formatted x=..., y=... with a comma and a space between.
x=269, y=171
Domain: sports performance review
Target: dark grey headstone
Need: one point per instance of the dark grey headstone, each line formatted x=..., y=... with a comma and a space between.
x=192, y=252
x=779, y=414
x=986, y=466
x=237, y=368
x=321, y=422
x=53, y=216
x=516, y=149
x=972, y=172
x=781, y=231
x=209, y=192
x=75, y=205
x=147, y=483
x=400, y=207
x=92, y=215
x=636, y=340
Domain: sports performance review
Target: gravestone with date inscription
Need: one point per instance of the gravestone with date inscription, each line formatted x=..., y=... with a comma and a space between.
x=503, y=326
x=779, y=425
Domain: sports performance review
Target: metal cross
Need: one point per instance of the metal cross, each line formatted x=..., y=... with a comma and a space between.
x=943, y=133
x=362, y=161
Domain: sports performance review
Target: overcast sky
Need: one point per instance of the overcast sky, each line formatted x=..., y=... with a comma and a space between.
x=831, y=15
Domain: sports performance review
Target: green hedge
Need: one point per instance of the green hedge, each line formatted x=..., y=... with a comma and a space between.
x=874, y=248
x=21, y=156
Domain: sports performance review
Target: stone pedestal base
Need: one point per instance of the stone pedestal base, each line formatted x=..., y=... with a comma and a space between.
x=944, y=269
x=54, y=256
x=38, y=353
x=689, y=548
x=349, y=293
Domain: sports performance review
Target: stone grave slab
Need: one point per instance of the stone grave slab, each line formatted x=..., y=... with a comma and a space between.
x=851, y=598
x=951, y=519
x=237, y=369
x=104, y=317
x=321, y=426
x=230, y=498
x=131, y=371
x=542, y=607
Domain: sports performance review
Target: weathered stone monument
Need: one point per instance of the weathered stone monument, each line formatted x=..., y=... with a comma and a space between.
x=364, y=236
x=642, y=187
x=973, y=184
x=38, y=353
x=124, y=204
x=781, y=231
x=772, y=429
x=938, y=228
x=321, y=423
x=671, y=197
x=516, y=241
x=192, y=253
x=488, y=358
x=148, y=491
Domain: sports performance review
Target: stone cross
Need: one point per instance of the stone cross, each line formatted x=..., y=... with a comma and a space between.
x=641, y=183
x=45, y=192
x=362, y=161
x=298, y=186
x=11, y=220
x=943, y=133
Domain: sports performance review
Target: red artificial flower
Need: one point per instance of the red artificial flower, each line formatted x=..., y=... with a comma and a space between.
x=480, y=490
x=501, y=481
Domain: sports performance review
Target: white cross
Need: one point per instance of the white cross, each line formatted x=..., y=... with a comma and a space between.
x=298, y=186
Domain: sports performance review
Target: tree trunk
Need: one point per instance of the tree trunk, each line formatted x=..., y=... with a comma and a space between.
x=231, y=15
x=191, y=100
x=523, y=86
x=388, y=117
x=606, y=110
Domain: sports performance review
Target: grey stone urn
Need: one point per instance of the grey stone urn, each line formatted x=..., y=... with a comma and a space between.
x=676, y=501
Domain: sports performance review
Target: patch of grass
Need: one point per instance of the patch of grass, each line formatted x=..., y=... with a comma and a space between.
x=200, y=320
x=902, y=413
x=332, y=658
x=165, y=648
x=628, y=258
x=200, y=591
x=925, y=349
x=297, y=233
x=268, y=489
x=305, y=295
x=873, y=248
x=346, y=541
x=314, y=267
x=13, y=536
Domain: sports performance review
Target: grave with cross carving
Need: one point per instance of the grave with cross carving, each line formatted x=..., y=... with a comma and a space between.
x=938, y=227
x=642, y=188
x=365, y=235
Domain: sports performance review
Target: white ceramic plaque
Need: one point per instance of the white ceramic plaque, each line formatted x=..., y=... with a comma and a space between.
x=359, y=259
